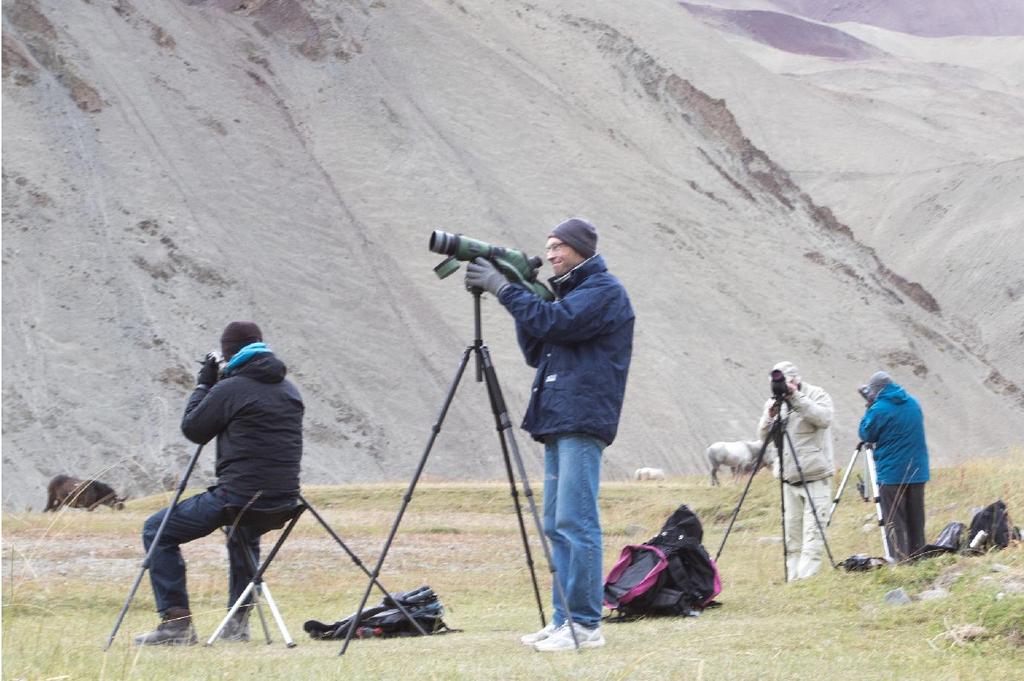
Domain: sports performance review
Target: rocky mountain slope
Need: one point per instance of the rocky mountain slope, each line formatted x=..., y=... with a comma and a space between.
x=171, y=166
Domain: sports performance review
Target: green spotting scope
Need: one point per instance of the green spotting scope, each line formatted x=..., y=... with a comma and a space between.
x=517, y=267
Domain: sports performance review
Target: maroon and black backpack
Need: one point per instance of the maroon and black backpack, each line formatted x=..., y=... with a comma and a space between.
x=671, y=574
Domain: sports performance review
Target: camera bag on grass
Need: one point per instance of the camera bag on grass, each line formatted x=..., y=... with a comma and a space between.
x=671, y=574
x=386, y=620
x=948, y=541
x=862, y=562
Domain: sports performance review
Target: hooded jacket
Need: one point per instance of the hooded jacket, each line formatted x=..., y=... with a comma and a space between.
x=256, y=416
x=895, y=423
x=581, y=345
x=809, y=426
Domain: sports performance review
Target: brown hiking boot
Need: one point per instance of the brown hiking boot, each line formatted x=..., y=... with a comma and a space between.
x=175, y=630
x=237, y=628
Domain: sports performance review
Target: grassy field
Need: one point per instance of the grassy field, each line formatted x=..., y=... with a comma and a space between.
x=65, y=577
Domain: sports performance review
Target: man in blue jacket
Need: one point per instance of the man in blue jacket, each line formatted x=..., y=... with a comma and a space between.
x=895, y=424
x=581, y=345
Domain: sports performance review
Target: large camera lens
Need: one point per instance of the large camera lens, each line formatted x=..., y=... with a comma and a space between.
x=443, y=242
x=779, y=387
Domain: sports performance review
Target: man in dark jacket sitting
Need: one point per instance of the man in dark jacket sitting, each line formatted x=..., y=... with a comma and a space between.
x=256, y=416
x=895, y=424
x=581, y=345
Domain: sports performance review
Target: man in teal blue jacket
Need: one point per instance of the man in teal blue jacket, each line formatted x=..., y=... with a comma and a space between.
x=580, y=345
x=895, y=424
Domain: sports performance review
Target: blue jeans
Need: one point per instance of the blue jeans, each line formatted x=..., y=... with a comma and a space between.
x=193, y=518
x=572, y=474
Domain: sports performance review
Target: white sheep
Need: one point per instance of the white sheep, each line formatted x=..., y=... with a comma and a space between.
x=649, y=474
x=738, y=456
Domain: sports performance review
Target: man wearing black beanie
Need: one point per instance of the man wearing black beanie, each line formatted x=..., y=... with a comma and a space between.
x=236, y=336
x=581, y=345
x=256, y=415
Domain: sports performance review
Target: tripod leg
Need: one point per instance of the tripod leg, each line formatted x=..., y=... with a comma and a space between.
x=272, y=604
x=258, y=591
x=359, y=564
x=878, y=506
x=500, y=411
x=842, y=485
x=774, y=433
x=505, y=426
x=408, y=497
x=810, y=500
x=750, y=479
x=263, y=622
x=153, y=546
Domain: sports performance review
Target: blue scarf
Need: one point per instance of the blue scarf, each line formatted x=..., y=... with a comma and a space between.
x=244, y=355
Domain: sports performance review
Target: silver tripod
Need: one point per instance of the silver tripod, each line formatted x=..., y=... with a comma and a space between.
x=867, y=449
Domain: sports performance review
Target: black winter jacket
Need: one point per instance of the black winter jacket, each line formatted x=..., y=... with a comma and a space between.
x=256, y=416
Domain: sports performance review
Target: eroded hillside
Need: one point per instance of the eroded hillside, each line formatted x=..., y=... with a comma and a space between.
x=171, y=166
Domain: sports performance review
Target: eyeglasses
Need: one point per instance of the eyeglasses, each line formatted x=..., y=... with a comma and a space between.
x=554, y=247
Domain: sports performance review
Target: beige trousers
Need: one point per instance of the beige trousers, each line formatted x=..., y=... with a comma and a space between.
x=804, y=544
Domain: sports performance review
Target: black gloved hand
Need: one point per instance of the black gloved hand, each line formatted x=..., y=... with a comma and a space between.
x=482, y=274
x=210, y=371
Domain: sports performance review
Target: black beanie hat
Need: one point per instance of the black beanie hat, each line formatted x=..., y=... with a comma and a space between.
x=237, y=335
x=579, y=234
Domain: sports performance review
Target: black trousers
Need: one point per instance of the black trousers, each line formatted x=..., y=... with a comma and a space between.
x=903, y=513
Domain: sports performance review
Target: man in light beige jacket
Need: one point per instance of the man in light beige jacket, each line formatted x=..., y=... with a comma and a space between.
x=809, y=419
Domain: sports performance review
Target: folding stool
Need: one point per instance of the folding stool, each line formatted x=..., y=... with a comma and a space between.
x=260, y=521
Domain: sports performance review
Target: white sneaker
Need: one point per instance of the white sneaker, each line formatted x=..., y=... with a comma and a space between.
x=562, y=639
x=546, y=632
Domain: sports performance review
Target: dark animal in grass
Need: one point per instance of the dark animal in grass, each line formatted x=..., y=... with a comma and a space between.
x=64, y=490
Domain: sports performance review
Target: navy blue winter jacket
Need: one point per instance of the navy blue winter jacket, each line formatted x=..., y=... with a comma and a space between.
x=581, y=345
x=895, y=424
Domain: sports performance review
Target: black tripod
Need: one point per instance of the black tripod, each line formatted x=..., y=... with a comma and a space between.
x=777, y=434
x=484, y=372
x=163, y=524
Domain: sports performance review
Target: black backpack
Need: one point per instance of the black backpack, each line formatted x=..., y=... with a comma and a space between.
x=386, y=620
x=995, y=522
x=671, y=574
